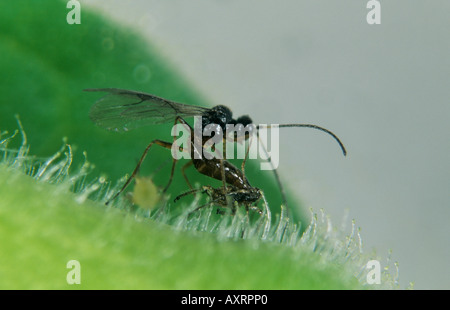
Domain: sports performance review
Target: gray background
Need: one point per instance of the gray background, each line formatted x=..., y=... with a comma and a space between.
x=384, y=89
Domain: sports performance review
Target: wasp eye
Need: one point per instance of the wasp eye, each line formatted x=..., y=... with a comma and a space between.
x=244, y=120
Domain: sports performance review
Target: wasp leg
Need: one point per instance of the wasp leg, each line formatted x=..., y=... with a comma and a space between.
x=228, y=200
x=183, y=172
x=174, y=162
x=245, y=158
x=193, y=191
x=164, y=144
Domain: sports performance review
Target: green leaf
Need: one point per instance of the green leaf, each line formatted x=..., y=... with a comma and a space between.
x=43, y=227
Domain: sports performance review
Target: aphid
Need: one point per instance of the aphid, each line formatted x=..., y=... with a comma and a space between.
x=145, y=193
x=230, y=196
x=122, y=110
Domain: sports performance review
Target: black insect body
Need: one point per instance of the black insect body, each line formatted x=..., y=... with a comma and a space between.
x=122, y=110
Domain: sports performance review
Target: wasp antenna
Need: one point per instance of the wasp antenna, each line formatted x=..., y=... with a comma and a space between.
x=341, y=145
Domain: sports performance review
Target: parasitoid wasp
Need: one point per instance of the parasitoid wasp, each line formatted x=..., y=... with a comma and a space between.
x=123, y=110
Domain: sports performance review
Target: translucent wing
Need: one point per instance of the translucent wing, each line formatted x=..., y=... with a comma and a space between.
x=122, y=110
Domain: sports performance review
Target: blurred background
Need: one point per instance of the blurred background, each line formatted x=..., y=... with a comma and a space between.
x=383, y=89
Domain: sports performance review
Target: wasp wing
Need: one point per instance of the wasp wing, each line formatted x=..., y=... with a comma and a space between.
x=122, y=110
